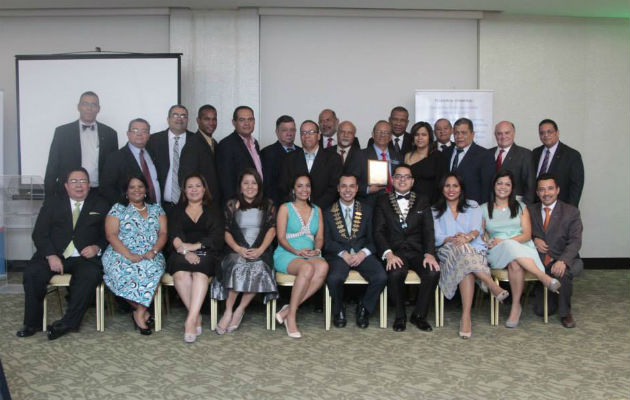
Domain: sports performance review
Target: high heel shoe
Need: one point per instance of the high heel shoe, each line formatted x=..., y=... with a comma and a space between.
x=554, y=285
x=199, y=329
x=279, y=316
x=190, y=337
x=234, y=327
x=294, y=335
x=514, y=324
x=221, y=331
x=465, y=335
x=143, y=331
x=502, y=296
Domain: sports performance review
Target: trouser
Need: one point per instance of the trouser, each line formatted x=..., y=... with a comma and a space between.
x=396, y=286
x=555, y=302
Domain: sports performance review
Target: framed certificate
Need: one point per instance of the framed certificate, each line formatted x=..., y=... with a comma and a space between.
x=377, y=172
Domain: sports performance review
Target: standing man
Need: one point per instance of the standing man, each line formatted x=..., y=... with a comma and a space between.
x=237, y=151
x=84, y=143
x=560, y=160
x=351, y=156
x=168, y=149
x=404, y=237
x=443, y=131
x=401, y=139
x=514, y=158
x=131, y=160
x=69, y=236
x=349, y=244
x=328, y=125
x=557, y=233
x=206, y=163
x=273, y=156
x=472, y=162
x=380, y=149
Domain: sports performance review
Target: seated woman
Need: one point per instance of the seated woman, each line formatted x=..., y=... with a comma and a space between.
x=250, y=228
x=196, y=233
x=508, y=231
x=427, y=165
x=133, y=263
x=462, y=252
x=300, y=239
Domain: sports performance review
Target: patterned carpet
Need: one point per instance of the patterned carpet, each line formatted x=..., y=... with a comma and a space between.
x=534, y=361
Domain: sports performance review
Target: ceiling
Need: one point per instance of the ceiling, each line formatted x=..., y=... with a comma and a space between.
x=573, y=8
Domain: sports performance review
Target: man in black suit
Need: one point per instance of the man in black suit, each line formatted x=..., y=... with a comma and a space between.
x=328, y=126
x=324, y=167
x=443, y=132
x=131, y=160
x=69, y=236
x=514, y=158
x=560, y=160
x=349, y=152
x=557, y=233
x=404, y=237
x=273, y=156
x=472, y=162
x=174, y=151
x=84, y=143
x=401, y=139
x=383, y=150
x=206, y=163
x=237, y=151
x=348, y=244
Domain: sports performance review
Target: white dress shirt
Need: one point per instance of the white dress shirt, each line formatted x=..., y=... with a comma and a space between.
x=89, y=151
x=168, y=185
x=461, y=156
x=552, y=151
x=310, y=158
x=344, y=208
x=76, y=253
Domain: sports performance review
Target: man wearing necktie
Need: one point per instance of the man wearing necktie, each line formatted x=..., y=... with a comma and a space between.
x=381, y=149
x=443, y=132
x=349, y=245
x=401, y=141
x=404, y=237
x=273, y=156
x=557, y=233
x=328, y=128
x=83, y=143
x=206, y=163
x=69, y=236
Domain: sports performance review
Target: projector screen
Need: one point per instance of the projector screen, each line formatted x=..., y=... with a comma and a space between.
x=129, y=86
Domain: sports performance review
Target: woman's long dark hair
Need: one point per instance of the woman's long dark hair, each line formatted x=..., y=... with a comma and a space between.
x=258, y=200
x=207, y=197
x=514, y=205
x=292, y=193
x=440, y=205
x=125, y=200
x=415, y=128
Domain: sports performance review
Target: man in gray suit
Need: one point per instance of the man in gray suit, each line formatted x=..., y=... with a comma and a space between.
x=516, y=159
x=557, y=233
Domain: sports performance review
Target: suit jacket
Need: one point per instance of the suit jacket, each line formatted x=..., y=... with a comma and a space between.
x=119, y=165
x=53, y=229
x=205, y=163
x=324, y=173
x=65, y=153
x=272, y=158
x=519, y=161
x=232, y=158
x=476, y=169
x=568, y=169
x=406, y=143
x=338, y=239
x=410, y=242
x=563, y=236
x=354, y=164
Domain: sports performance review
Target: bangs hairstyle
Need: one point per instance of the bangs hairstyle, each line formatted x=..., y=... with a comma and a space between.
x=124, y=199
x=207, y=197
x=440, y=205
x=514, y=205
x=258, y=200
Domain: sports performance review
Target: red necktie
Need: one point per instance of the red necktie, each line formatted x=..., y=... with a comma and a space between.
x=343, y=158
x=329, y=142
x=147, y=176
x=500, y=159
x=547, y=259
x=389, y=178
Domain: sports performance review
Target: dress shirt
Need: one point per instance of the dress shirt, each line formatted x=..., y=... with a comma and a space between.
x=550, y=207
x=398, y=140
x=469, y=220
x=168, y=185
x=325, y=141
x=89, y=151
x=461, y=156
x=345, y=153
x=310, y=158
x=505, y=153
x=288, y=149
x=552, y=151
x=443, y=146
x=208, y=139
x=76, y=253
x=343, y=213
x=251, y=149
x=152, y=171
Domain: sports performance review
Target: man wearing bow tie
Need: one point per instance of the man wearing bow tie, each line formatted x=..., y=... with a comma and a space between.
x=404, y=237
x=83, y=143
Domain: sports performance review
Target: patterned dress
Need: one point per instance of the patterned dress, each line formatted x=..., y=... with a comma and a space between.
x=300, y=236
x=134, y=281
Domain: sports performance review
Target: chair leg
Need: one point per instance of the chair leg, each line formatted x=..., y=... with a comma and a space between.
x=546, y=310
x=441, y=308
x=382, y=318
x=273, y=314
x=44, y=322
x=157, y=305
x=214, y=311
x=384, y=307
x=102, y=307
x=268, y=314
x=328, y=306
x=437, y=306
x=491, y=309
x=98, y=308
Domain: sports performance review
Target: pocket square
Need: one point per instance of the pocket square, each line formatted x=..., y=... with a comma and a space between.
x=94, y=213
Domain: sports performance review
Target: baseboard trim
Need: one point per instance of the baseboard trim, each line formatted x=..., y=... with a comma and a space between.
x=606, y=263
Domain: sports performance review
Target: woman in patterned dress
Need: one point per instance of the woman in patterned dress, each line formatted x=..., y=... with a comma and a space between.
x=462, y=252
x=133, y=263
x=300, y=231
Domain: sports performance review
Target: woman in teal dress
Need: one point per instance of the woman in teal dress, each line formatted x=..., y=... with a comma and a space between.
x=508, y=234
x=300, y=231
x=133, y=263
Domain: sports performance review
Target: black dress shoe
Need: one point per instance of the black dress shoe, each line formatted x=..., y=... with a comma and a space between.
x=421, y=323
x=363, y=317
x=400, y=324
x=339, y=320
x=56, y=330
x=26, y=331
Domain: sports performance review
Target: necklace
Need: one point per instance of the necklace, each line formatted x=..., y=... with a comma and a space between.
x=140, y=209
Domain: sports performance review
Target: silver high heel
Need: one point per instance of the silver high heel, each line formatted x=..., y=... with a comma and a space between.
x=554, y=285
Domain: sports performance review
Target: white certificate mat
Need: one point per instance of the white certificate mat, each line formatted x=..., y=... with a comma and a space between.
x=377, y=172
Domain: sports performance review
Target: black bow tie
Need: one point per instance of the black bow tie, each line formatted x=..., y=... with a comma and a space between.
x=90, y=127
x=403, y=196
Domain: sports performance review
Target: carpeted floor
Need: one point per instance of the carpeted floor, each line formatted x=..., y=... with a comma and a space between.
x=534, y=361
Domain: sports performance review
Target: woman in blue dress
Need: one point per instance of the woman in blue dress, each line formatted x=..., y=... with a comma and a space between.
x=509, y=237
x=133, y=263
x=300, y=231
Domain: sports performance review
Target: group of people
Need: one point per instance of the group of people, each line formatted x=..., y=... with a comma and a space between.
x=180, y=202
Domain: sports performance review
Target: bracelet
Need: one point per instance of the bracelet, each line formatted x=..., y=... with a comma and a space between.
x=155, y=251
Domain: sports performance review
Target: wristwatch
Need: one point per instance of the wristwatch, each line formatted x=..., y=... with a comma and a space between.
x=184, y=252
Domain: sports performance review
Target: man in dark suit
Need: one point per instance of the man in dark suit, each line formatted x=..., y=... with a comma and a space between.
x=472, y=162
x=401, y=139
x=84, y=143
x=69, y=236
x=383, y=150
x=560, y=160
x=206, y=163
x=237, y=151
x=131, y=160
x=328, y=126
x=404, y=237
x=349, y=152
x=324, y=167
x=348, y=244
x=557, y=233
x=443, y=132
x=273, y=156
x=514, y=158
x=174, y=151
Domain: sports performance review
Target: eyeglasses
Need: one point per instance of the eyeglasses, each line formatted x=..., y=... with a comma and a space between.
x=182, y=116
x=311, y=132
x=382, y=133
x=75, y=181
x=402, y=177
x=137, y=131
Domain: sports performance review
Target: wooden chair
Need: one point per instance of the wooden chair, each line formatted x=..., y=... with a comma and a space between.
x=501, y=275
x=281, y=280
x=355, y=278
x=413, y=279
x=167, y=280
x=63, y=280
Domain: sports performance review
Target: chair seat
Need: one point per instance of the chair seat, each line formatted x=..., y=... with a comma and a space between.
x=60, y=280
x=167, y=279
x=412, y=278
x=355, y=278
x=63, y=280
x=502, y=275
x=284, y=279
